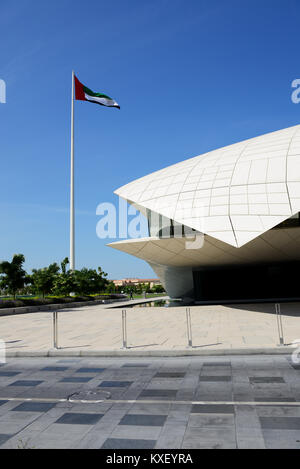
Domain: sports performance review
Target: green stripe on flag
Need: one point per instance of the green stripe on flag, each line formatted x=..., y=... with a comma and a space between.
x=91, y=93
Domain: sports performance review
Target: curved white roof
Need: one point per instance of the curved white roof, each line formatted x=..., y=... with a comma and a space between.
x=233, y=194
x=273, y=246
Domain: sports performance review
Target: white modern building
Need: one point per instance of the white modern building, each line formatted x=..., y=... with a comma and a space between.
x=240, y=204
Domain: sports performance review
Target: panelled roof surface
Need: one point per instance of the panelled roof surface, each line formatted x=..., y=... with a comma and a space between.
x=234, y=193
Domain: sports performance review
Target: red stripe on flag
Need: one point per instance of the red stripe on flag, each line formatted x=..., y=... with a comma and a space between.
x=79, y=93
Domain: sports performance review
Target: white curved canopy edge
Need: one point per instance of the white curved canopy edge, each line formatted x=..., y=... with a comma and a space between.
x=233, y=194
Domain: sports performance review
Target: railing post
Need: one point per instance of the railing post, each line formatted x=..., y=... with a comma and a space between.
x=279, y=323
x=124, y=328
x=55, y=330
x=189, y=327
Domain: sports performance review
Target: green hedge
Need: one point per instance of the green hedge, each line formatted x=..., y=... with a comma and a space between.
x=54, y=300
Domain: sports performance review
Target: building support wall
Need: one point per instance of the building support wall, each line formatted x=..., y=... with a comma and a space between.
x=177, y=281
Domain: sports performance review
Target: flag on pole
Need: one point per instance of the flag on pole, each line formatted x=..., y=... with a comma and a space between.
x=82, y=93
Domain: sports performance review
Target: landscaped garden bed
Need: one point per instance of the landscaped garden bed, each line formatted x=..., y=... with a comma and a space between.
x=34, y=301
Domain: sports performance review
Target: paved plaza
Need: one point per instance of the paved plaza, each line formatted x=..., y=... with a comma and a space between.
x=182, y=402
x=96, y=328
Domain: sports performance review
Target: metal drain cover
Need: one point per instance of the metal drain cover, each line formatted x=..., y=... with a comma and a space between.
x=91, y=396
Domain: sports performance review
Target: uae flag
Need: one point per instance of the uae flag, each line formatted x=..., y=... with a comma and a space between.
x=82, y=93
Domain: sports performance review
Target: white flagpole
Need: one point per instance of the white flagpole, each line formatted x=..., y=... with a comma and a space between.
x=72, y=224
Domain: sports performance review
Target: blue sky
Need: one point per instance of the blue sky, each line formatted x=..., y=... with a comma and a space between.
x=190, y=76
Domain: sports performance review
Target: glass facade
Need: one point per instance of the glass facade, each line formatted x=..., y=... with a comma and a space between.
x=163, y=227
x=247, y=282
x=291, y=222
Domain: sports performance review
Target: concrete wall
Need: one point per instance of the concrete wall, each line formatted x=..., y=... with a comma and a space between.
x=177, y=281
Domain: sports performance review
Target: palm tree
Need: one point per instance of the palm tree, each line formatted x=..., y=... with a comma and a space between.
x=14, y=276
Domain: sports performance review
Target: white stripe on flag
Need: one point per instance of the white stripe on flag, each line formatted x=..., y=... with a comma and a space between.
x=103, y=101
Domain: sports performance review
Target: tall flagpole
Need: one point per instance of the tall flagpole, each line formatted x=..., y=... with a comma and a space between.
x=72, y=223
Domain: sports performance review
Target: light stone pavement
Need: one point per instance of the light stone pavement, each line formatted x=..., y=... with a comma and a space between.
x=179, y=403
x=152, y=328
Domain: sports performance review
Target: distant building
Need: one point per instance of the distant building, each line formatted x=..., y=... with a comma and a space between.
x=136, y=281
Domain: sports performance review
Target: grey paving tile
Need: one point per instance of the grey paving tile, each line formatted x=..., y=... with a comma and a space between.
x=13, y=427
x=210, y=438
x=253, y=430
x=250, y=442
x=19, y=441
x=91, y=440
x=44, y=393
x=4, y=438
x=165, y=383
x=158, y=393
x=212, y=409
x=135, y=365
x=275, y=399
x=25, y=383
x=213, y=379
x=143, y=419
x=75, y=379
x=70, y=360
x=212, y=425
x=162, y=374
x=214, y=371
x=19, y=418
x=277, y=411
x=276, y=439
x=136, y=431
x=246, y=421
x=115, y=384
x=150, y=409
x=8, y=374
x=211, y=420
x=33, y=407
x=271, y=393
x=49, y=441
x=74, y=418
x=171, y=436
x=185, y=395
x=242, y=392
x=213, y=397
x=222, y=363
x=55, y=368
x=280, y=423
x=265, y=379
x=122, y=443
x=90, y=370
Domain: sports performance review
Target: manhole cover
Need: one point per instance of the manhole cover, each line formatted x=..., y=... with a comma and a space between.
x=92, y=396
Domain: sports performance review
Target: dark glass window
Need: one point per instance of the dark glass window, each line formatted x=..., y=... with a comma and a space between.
x=289, y=223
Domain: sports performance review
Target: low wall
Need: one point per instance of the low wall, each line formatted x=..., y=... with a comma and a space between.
x=54, y=307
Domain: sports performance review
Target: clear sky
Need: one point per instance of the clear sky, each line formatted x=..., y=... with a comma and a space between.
x=190, y=76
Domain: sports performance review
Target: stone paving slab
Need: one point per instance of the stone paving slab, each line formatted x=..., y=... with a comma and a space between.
x=160, y=331
x=192, y=414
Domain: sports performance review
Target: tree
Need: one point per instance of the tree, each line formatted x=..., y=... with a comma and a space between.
x=142, y=287
x=43, y=279
x=81, y=282
x=110, y=288
x=158, y=289
x=89, y=281
x=64, y=264
x=14, y=276
x=64, y=283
